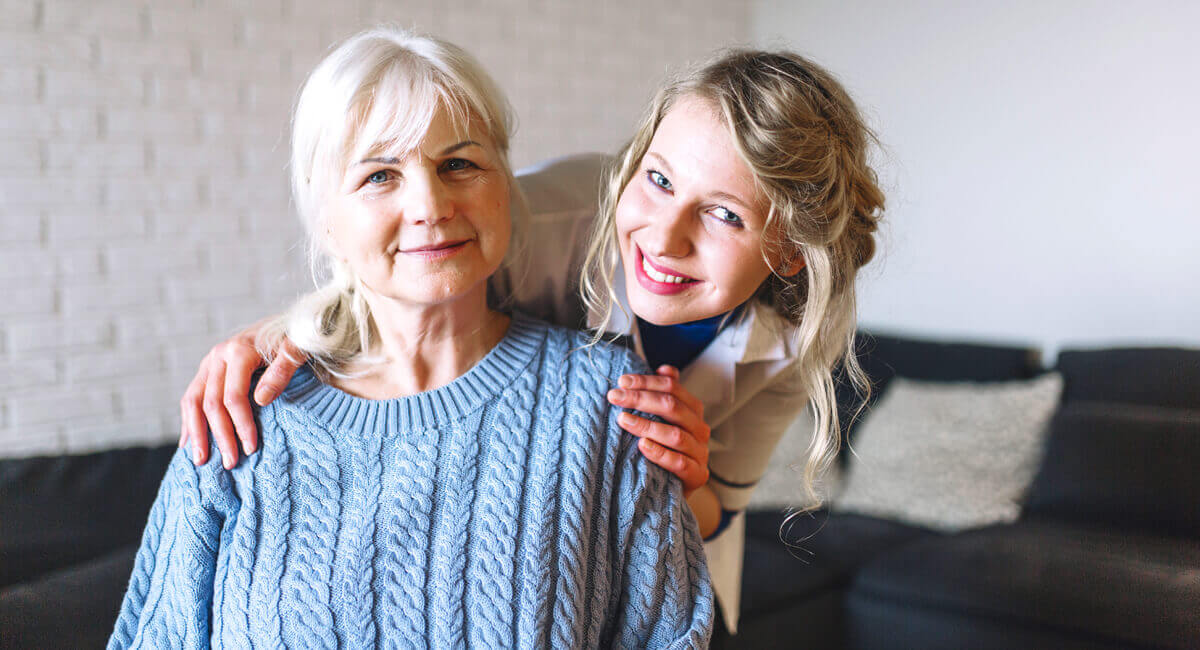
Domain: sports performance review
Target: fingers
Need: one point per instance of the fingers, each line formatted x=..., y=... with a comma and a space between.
x=239, y=368
x=667, y=381
x=667, y=435
x=193, y=426
x=674, y=407
x=691, y=473
x=218, y=418
x=287, y=360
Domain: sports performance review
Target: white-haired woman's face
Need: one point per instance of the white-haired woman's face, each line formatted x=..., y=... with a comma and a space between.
x=427, y=228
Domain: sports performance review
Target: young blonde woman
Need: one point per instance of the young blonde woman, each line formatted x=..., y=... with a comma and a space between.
x=441, y=474
x=726, y=245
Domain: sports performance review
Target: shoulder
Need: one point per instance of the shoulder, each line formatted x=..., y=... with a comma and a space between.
x=288, y=415
x=578, y=348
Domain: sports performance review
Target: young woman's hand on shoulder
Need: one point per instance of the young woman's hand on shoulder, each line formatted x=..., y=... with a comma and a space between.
x=678, y=445
x=216, y=399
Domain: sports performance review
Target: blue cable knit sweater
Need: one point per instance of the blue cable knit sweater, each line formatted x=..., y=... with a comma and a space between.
x=505, y=509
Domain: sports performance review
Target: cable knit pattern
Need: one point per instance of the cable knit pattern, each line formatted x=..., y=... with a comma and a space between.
x=541, y=530
x=236, y=567
x=505, y=509
x=401, y=583
x=309, y=577
x=494, y=537
x=274, y=517
x=450, y=540
x=581, y=456
x=357, y=562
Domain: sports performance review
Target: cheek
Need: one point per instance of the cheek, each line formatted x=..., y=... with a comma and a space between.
x=358, y=233
x=632, y=208
x=740, y=266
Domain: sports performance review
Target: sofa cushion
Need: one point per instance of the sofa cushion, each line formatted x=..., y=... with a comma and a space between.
x=1150, y=376
x=1140, y=589
x=60, y=510
x=884, y=357
x=873, y=623
x=950, y=456
x=812, y=554
x=72, y=607
x=1127, y=466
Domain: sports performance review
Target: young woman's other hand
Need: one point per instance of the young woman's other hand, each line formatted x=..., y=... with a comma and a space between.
x=217, y=399
x=678, y=445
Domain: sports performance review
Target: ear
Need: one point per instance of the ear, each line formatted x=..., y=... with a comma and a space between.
x=794, y=266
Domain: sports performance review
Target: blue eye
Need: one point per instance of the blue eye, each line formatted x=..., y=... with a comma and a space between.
x=380, y=176
x=659, y=180
x=726, y=216
x=458, y=165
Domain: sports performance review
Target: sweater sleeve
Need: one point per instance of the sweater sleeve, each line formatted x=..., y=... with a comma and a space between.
x=666, y=597
x=168, y=603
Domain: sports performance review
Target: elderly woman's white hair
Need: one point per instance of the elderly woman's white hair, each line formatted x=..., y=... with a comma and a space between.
x=375, y=94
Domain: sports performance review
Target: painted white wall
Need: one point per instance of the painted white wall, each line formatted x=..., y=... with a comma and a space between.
x=1040, y=160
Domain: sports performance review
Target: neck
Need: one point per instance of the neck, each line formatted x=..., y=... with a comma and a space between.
x=423, y=347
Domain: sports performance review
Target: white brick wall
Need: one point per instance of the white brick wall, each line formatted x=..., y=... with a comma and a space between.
x=144, y=208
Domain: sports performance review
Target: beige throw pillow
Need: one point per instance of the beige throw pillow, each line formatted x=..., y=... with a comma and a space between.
x=950, y=456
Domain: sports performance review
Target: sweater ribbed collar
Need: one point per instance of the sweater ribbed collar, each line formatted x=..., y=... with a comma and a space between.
x=498, y=370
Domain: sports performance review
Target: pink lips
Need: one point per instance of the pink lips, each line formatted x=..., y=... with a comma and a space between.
x=654, y=286
x=438, y=251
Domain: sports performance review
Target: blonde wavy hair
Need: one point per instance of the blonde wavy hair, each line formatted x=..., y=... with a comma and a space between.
x=804, y=139
x=375, y=94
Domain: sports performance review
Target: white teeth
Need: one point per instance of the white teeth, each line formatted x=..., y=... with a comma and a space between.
x=660, y=277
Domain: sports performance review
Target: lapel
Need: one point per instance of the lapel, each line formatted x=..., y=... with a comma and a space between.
x=759, y=335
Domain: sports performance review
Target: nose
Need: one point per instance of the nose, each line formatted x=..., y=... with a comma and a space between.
x=669, y=234
x=427, y=200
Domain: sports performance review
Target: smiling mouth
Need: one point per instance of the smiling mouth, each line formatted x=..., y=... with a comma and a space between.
x=436, y=251
x=662, y=275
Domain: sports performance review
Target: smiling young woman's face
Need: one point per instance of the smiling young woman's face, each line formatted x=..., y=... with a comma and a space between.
x=427, y=228
x=690, y=222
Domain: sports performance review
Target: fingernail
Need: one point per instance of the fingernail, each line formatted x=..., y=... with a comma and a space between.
x=616, y=394
x=625, y=381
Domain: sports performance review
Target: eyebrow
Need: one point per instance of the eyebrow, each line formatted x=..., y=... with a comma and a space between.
x=444, y=152
x=725, y=196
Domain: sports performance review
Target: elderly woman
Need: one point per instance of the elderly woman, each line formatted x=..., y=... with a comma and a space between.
x=441, y=474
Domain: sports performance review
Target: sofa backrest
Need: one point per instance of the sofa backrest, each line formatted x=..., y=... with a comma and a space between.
x=1147, y=376
x=1125, y=446
x=1131, y=467
x=59, y=510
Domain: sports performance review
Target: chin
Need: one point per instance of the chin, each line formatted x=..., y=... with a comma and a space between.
x=653, y=310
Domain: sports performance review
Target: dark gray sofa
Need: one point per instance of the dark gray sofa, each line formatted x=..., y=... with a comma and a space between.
x=1105, y=555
